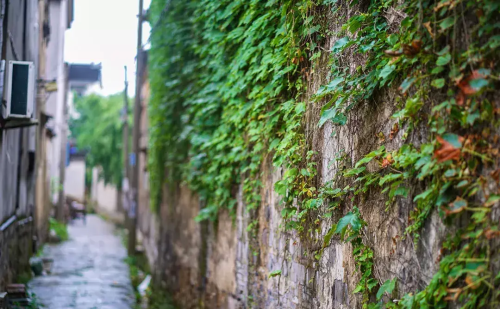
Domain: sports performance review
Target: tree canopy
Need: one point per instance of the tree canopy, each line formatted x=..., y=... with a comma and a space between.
x=97, y=128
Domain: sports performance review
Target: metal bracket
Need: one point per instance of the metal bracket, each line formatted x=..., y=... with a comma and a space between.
x=7, y=124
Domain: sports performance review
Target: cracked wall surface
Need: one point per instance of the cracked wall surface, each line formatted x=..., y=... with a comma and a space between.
x=227, y=263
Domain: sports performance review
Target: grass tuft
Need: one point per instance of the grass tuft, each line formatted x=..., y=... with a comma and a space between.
x=59, y=228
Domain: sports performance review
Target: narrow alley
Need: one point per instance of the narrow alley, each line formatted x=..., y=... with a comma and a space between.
x=88, y=270
x=262, y=154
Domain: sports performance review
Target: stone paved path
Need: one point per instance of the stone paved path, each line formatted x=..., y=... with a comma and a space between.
x=89, y=271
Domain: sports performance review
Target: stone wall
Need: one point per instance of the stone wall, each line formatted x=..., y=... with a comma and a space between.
x=224, y=264
x=15, y=249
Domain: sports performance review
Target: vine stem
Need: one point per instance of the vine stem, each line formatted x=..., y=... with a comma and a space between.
x=478, y=209
x=473, y=260
x=472, y=152
x=476, y=282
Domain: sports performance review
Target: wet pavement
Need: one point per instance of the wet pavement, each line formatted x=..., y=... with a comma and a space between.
x=89, y=271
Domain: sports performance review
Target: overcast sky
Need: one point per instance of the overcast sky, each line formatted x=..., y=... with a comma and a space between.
x=105, y=31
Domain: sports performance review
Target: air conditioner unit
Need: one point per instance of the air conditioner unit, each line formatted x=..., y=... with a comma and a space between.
x=19, y=90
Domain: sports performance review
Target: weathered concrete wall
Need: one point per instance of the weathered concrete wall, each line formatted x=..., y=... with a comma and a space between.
x=148, y=224
x=224, y=265
x=227, y=267
x=105, y=197
x=74, y=181
x=55, y=70
x=42, y=186
x=15, y=249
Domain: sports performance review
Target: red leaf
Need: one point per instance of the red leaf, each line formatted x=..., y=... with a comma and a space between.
x=489, y=234
x=387, y=161
x=460, y=98
x=465, y=86
x=471, y=282
x=447, y=151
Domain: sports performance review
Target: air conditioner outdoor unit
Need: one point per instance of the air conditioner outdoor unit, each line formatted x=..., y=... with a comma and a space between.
x=19, y=90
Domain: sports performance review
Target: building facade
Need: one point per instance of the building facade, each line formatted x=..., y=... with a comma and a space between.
x=61, y=17
x=25, y=35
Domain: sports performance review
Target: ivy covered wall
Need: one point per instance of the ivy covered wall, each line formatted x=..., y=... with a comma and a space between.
x=319, y=154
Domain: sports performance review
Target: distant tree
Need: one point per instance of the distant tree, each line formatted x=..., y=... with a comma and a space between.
x=97, y=127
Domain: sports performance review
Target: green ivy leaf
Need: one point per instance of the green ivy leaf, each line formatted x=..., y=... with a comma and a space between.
x=458, y=205
x=494, y=41
x=340, y=44
x=387, y=287
x=371, y=283
x=450, y=173
x=367, y=47
x=443, y=60
x=328, y=237
x=351, y=219
x=358, y=289
x=472, y=117
x=340, y=119
x=407, y=84
x=354, y=171
x=327, y=115
x=389, y=178
x=363, y=161
x=275, y=273
x=438, y=83
x=478, y=84
x=280, y=187
x=334, y=84
x=447, y=23
x=386, y=71
x=452, y=139
x=401, y=191
x=444, y=51
x=437, y=70
x=392, y=39
x=492, y=199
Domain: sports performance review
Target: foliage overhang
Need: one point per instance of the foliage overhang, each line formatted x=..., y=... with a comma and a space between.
x=228, y=90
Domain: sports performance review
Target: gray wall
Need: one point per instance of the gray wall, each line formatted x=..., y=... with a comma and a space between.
x=17, y=145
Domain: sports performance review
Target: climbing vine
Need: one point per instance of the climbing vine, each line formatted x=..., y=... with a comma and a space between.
x=224, y=83
x=228, y=90
x=432, y=51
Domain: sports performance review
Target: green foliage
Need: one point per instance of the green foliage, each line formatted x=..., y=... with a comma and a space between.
x=350, y=220
x=226, y=83
x=59, y=228
x=275, y=273
x=223, y=80
x=350, y=229
x=387, y=287
x=447, y=166
x=34, y=303
x=97, y=128
x=157, y=299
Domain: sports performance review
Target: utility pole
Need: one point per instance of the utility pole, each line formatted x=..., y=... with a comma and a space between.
x=62, y=160
x=135, y=139
x=125, y=186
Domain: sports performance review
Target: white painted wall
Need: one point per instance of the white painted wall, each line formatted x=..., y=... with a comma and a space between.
x=103, y=195
x=74, y=181
x=55, y=102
